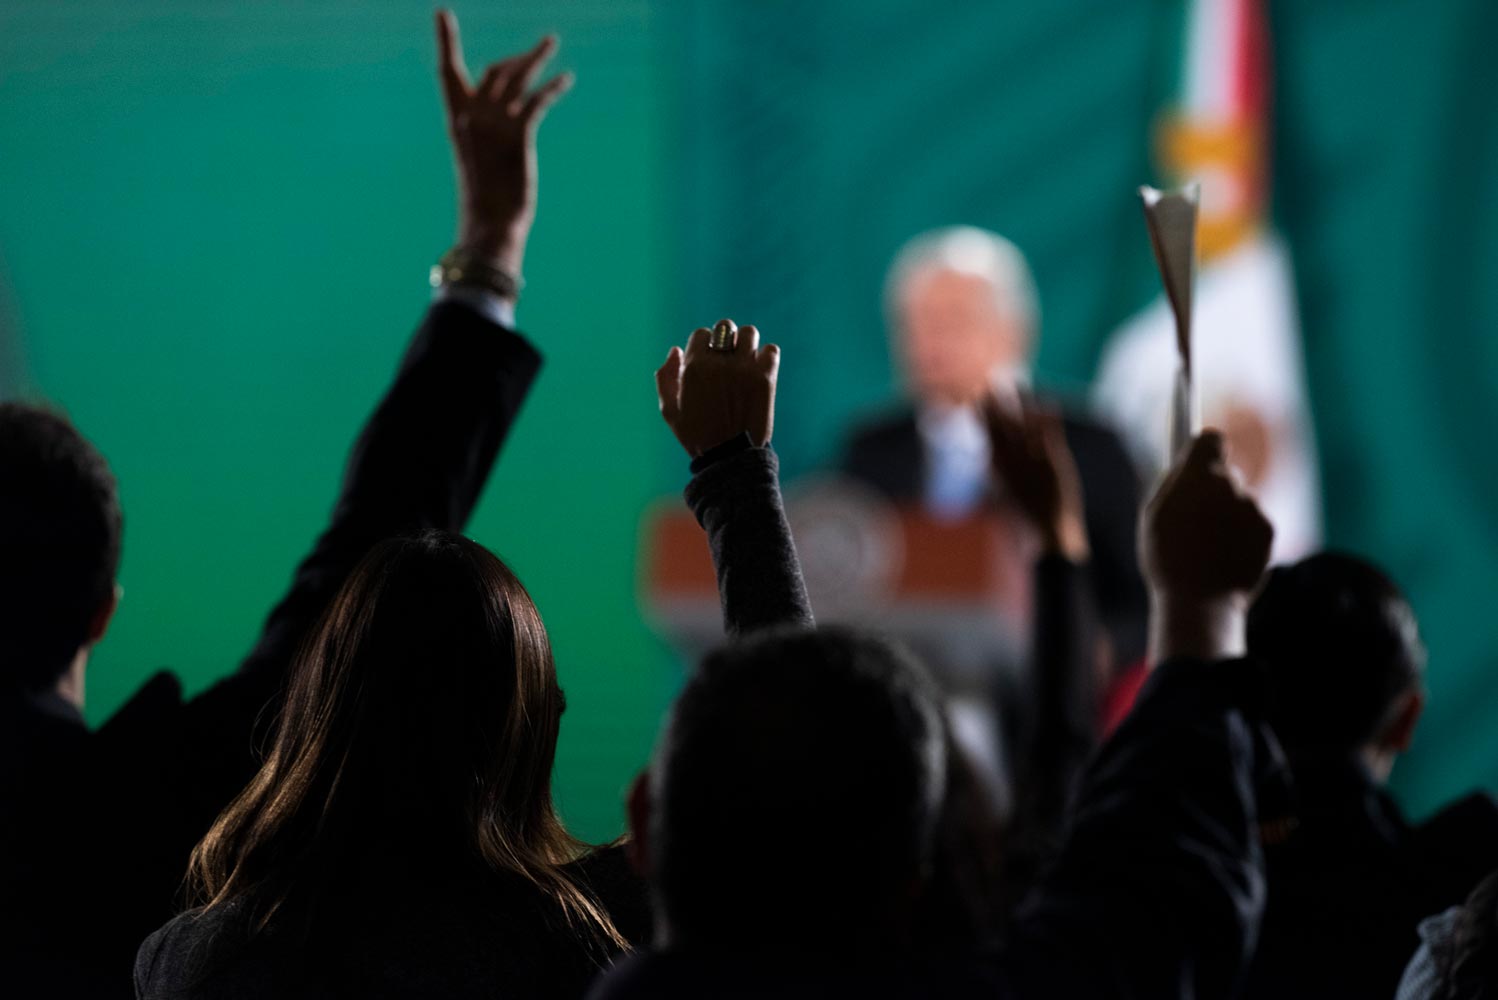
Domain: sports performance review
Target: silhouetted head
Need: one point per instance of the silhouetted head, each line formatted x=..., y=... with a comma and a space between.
x=60, y=534
x=794, y=793
x=1341, y=644
x=420, y=723
x=962, y=305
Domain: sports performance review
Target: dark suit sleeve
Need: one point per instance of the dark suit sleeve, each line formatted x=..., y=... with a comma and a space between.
x=736, y=498
x=1061, y=731
x=1159, y=887
x=888, y=457
x=1110, y=488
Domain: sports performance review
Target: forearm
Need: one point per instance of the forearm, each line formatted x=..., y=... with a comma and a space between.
x=1201, y=629
x=1064, y=696
x=736, y=498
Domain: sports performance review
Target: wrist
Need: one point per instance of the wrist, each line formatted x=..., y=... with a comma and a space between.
x=711, y=456
x=1204, y=628
x=465, y=267
x=503, y=246
x=1066, y=536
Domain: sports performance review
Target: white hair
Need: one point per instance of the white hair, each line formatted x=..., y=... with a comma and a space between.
x=968, y=250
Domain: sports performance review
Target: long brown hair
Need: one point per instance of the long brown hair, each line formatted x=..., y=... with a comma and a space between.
x=424, y=708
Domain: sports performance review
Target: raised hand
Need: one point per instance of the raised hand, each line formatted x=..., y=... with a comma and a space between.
x=1204, y=549
x=1035, y=469
x=709, y=396
x=492, y=124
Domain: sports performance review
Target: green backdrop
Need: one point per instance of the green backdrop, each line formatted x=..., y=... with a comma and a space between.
x=215, y=221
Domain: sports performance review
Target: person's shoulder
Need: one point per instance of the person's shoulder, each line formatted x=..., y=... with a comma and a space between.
x=166, y=955
x=155, y=700
x=604, y=865
x=145, y=726
x=643, y=974
x=609, y=874
x=1099, y=449
x=1082, y=426
x=893, y=422
x=45, y=738
x=1428, y=972
x=1465, y=828
x=35, y=726
x=157, y=951
x=752, y=975
x=208, y=953
x=884, y=452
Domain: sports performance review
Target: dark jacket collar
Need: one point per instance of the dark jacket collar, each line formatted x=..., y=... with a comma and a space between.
x=1337, y=792
x=40, y=705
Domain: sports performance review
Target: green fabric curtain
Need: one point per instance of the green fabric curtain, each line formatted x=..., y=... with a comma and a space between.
x=1387, y=176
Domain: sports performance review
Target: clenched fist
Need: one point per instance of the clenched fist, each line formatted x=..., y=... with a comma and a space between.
x=709, y=397
x=1204, y=549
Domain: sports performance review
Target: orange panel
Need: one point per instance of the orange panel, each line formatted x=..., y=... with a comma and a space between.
x=675, y=555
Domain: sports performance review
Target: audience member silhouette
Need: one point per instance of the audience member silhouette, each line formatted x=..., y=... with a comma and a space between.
x=1350, y=880
x=829, y=746
x=400, y=838
x=96, y=826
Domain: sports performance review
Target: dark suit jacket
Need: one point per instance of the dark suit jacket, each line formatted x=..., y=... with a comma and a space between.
x=1348, y=887
x=96, y=827
x=889, y=455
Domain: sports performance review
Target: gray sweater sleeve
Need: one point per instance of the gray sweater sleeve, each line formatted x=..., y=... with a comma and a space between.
x=1428, y=973
x=736, y=499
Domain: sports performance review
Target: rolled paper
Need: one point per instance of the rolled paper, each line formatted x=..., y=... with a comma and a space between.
x=1185, y=414
x=1170, y=217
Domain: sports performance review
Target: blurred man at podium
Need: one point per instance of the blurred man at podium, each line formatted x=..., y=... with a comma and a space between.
x=964, y=316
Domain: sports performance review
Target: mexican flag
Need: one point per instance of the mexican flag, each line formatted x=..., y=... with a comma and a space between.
x=1247, y=355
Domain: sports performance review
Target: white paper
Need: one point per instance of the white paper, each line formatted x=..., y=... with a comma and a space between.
x=1170, y=217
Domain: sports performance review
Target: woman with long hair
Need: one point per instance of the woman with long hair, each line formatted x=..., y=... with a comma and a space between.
x=401, y=836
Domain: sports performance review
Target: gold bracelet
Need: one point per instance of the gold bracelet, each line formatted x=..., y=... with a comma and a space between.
x=464, y=267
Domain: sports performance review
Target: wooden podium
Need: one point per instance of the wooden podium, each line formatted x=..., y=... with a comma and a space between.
x=957, y=592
